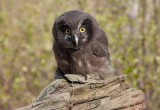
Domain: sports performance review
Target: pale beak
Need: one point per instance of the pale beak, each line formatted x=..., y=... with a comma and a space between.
x=76, y=39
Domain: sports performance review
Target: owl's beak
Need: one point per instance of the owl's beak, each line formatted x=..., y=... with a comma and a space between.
x=76, y=39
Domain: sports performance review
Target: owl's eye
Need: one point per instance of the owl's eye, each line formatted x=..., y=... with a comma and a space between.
x=67, y=31
x=82, y=30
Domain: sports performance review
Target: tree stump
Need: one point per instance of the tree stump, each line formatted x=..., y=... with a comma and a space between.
x=76, y=92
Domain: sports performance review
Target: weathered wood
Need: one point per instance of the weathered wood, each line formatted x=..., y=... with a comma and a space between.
x=78, y=93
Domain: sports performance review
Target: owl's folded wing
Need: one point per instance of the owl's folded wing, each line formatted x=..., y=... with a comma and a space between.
x=100, y=46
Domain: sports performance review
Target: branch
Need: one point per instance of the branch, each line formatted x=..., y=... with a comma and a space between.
x=75, y=93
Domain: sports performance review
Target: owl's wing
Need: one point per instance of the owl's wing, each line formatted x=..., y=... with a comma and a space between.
x=100, y=45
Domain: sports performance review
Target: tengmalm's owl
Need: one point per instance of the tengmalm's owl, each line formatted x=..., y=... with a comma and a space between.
x=80, y=46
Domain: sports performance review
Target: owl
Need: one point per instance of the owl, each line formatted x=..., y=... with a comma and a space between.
x=80, y=46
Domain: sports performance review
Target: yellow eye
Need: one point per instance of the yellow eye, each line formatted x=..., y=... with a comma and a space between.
x=67, y=31
x=82, y=29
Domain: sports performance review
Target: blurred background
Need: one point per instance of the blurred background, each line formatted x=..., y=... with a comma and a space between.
x=27, y=62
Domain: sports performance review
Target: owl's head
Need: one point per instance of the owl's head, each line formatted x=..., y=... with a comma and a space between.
x=74, y=29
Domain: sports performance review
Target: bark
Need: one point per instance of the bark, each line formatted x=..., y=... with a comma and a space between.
x=78, y=93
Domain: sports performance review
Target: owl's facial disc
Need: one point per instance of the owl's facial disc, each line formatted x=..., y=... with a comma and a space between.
x=74, y=38
x=74, y=32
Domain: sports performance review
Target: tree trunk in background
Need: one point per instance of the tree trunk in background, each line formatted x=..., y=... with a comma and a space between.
x=145, y=23
x=157, y=33
x=132, y=15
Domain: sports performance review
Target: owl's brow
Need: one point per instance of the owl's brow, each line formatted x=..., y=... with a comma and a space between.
x=79, y=24
x=83, y=22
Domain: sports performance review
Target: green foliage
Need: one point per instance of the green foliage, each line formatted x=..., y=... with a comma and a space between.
x=27, y=63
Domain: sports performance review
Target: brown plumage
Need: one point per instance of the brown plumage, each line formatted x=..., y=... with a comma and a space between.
x=80, y=46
